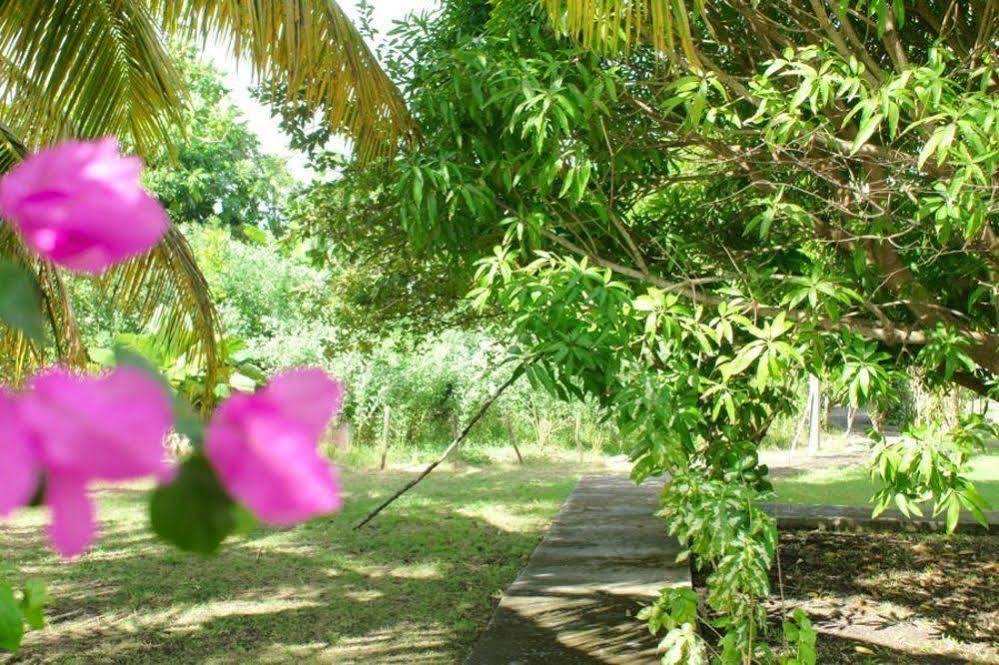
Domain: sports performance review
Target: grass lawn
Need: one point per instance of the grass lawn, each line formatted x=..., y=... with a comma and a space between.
x=852, y=486
x=415, y=586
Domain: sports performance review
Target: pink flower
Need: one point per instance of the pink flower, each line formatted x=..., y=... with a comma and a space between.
x=80, y=205
x=111, y=427
x=20, y=468
x=265, y=447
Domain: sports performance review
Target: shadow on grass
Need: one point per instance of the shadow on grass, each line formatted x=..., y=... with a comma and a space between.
x=416, y=586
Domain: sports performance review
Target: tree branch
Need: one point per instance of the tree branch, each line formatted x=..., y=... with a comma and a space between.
x=451, y=448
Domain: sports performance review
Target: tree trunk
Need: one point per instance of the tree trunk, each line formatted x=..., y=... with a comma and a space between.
x=386, y=429
x=815, y=409
x=513, y=439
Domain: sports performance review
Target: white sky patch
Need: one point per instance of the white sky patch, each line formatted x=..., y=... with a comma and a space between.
x=239, y=79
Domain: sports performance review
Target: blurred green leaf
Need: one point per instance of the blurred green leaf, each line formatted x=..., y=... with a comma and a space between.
x=21, y=301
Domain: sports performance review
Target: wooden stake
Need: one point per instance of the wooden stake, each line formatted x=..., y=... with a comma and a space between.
x=513, y=439
x=386, y=430
x=579, y=441
x=814, y=422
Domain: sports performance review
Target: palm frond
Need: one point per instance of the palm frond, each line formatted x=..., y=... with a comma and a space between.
x=87, y=68
x=18, y=354
x=311, y=49
x=166, y=289
x=610, y=25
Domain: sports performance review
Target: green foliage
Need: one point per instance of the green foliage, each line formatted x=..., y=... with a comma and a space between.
x=927, y=464
x=21, y=301
x=269, y=298
x=800, y=636
x=11, y=620
x=16, y=611
x=349, y=224
x=218, y=172
x=193, y=512
x=684, y=243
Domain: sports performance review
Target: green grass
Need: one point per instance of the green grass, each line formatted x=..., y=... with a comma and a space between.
x=852, y=486
x=416, y=586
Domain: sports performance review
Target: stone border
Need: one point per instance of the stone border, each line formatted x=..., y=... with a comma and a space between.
x=804, y=516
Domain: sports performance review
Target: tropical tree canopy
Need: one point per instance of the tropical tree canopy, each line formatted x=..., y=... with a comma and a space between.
x=218, y=172
x=92, y=68
x=690, y=209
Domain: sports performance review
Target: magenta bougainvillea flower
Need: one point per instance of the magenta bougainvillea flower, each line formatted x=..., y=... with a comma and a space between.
x=19, y=464
x=264, y=447
x=80, y=205
x=85, y=429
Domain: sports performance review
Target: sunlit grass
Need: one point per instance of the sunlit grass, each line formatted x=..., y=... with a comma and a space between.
x=853, y=486
x=416, y=586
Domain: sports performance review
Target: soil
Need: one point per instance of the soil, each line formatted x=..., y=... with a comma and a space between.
x=891, y=597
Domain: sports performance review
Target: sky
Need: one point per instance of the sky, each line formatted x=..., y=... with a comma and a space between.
x=239, y=79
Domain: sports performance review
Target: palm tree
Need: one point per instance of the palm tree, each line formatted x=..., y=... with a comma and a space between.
x=89, y=68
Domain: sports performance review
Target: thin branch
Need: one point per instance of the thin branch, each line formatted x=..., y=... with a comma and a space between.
x=451, y=448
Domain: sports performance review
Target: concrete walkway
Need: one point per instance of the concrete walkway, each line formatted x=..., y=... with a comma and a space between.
x=805, y=517
x=605, y=555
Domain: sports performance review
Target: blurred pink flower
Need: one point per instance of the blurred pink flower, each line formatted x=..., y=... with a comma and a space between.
x=20, y=468
x=265, y=447
x=80, y=205
x=111, y=427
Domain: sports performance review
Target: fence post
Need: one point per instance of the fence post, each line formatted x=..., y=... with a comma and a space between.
x=510, y=435
x=815, y=404
x=579, y=440
x=386, y=429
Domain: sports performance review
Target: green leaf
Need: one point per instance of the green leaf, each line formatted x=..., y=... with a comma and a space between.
x=193, y=512
x=187, y=422
x=33, y=600
x=928, y=148
x=125, y=356
x=953, y=513
x=254, y=234
x=242, y=383
x=11, y=620
x=866, y=130
x=21, y=301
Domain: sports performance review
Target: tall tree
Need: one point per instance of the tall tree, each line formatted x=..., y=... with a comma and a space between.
x=218, y=171
x=87, y=68
x=691, y=211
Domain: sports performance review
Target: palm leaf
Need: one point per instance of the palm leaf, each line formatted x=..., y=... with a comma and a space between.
x=610, y=25
x=86, y=68
x=18, y=354
x=310, y=49
x=166, y=289
x=128, y=92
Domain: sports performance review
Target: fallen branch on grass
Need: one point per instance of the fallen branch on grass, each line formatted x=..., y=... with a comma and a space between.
x=451, y=448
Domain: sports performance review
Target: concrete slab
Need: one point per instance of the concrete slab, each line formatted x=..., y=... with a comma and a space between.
x=853, y=518
x=605, y=555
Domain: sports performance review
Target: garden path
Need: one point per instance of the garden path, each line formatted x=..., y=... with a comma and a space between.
x=605, y=555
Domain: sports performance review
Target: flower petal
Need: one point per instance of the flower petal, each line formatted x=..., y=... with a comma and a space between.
x=307, y=395
x=81, y=205
x=265, y=447
x=111, y=427
x=72, y=528
x=19, y=464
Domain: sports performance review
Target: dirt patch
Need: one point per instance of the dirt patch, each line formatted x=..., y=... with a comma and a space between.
x=911, y=595
x=892, y=597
